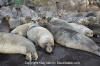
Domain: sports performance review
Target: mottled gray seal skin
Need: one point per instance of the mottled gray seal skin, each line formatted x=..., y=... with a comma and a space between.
x=72, y=39
x=82, y=29
x=11, y=43
x=79, y=28
x=41, y=36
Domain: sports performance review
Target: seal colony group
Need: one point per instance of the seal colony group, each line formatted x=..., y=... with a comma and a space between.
x=22, y=32
x=25, y=37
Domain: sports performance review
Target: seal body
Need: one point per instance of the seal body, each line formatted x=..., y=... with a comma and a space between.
x=76, y=27
x=42, y=37
x=67, y=37
x=82, y=29
x=10, y=43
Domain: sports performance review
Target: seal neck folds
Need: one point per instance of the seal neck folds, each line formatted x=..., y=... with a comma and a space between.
x=32, y=25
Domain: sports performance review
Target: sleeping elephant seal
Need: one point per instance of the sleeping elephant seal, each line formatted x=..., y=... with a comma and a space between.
x=21, y=30
x=10, y=43
x=72, y=39
x=41, y=36
x=82, y=29
x=79, y=28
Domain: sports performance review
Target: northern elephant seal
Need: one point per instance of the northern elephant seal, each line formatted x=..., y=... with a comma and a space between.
x=11, y=43
x=82, y=29
x=41, y=36
x=72, y=39
x=79, y=28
